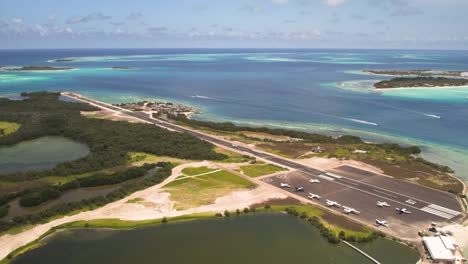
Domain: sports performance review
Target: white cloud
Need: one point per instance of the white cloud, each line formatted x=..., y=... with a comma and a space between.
x=334, y=2
x=17, y=20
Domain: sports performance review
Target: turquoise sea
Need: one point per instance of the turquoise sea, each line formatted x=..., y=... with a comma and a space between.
x=313, y=90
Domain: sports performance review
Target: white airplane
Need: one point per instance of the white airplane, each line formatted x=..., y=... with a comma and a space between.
x=314, y=181
x=285, y=185
x=382, y=204
x=299, y=189
x=402, y=211
x=313, y=196
x=349, y=210
x=381, y=222
x=332, y=203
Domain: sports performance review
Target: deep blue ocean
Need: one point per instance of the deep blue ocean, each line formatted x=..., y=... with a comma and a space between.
x=313, y=90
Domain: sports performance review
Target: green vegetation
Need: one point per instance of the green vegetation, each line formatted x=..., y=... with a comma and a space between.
x=7, y=128
x=420, y=82
x=43, y=114
x=34, y=197
x=260, y=170
x=202, y=190
x=345, y=229
x=191, y=171
x=230, y=127
x=233, y=157
x=135, y=200
x=395, y=160
x=62, y=209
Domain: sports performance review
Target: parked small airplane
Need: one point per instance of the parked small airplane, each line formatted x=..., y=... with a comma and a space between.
x=349, y=210
x=314, y=181
x=381, y=222
x=299, y=189
x=382, y=204
x=332, y=203
x=313, y=196
x=402, y=211
x=285, y=185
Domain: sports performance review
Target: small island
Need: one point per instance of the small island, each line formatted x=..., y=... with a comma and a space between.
x=420, y=82
x=420, y=73
x=63, y=60
x=35, y=68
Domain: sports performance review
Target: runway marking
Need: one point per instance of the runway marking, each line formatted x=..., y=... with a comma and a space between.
x=443, y=209
x=348, y=182
x=334, y=175
x=404, y=195
x=326, y=177
x=438, y=213
x=385, y=193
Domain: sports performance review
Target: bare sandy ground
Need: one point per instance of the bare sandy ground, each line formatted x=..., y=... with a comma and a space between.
x=154, y=204
x=460, y=233
x=331, y=163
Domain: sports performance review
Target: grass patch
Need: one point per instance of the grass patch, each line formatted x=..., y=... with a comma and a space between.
x=140, y=158
x=135, y=200
x=260, y=170
x=233, y=157
x=191, y=171
x=7, y=128
x=202, y=190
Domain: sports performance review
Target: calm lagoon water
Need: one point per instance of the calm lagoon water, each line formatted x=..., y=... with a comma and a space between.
x=312, y=90
x=41, y=153
x=261, y=238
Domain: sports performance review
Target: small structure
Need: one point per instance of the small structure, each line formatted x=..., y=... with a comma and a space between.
x=442, y=249
x=318, y=149
x=359, y=151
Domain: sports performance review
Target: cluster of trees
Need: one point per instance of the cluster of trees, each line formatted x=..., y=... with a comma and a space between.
x=330, y=234
x=162, y=173
x=230, y=127
x=34, y=197
x=43, y=114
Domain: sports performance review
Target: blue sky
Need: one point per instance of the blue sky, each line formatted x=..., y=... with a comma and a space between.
x=411, y=24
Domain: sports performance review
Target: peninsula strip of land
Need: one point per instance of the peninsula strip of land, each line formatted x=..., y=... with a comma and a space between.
x=421, y=82
x=34, y=68
x=420, y=73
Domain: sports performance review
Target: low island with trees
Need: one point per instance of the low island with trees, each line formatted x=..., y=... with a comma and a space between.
x=421, y=82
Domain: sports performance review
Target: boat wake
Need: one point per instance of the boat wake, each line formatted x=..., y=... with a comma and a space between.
x=362, y=122
x=433, y=116
x=203, y=97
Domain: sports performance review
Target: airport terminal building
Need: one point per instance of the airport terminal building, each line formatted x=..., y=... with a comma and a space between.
x=442, y=249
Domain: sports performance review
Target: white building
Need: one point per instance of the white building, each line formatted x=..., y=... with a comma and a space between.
x=443, y=249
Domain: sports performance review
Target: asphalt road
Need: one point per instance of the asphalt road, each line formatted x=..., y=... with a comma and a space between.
x=420, y=200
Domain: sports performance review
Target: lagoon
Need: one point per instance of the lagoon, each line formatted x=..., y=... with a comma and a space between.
x=41, y=153
x=260, y=238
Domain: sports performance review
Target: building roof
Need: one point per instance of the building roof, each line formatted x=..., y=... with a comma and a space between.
x=448, y=242
x=437, y=249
